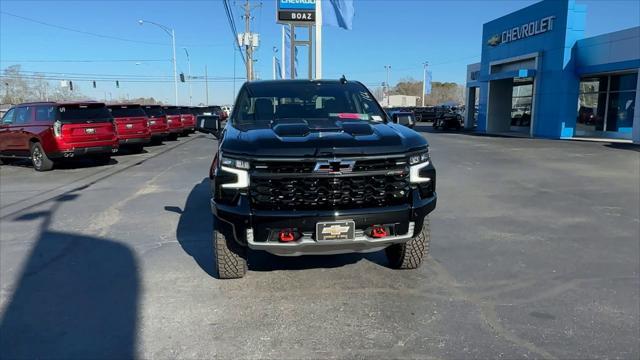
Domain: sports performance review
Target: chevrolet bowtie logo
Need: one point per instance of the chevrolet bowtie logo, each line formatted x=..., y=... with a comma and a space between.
x=334, y=166
x=495, y=40
x=335, y=230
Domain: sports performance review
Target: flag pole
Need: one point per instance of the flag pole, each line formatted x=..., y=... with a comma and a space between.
x=318, y=39
x=283, y=57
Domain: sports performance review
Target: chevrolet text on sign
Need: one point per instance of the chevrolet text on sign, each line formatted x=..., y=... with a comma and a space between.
x=523, y=31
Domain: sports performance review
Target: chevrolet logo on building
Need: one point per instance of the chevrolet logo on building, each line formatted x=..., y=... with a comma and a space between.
x=495, y=40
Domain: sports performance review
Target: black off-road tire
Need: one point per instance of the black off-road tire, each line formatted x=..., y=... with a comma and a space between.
x=231, y=258
x=411, y=254
x=39, y=158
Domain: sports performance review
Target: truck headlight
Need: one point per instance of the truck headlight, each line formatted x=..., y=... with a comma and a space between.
x=237, y=167
x=418, y=162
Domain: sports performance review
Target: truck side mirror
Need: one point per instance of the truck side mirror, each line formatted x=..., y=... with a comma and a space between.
x=209, y=124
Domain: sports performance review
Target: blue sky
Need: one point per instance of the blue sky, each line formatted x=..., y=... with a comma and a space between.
x=400, y=33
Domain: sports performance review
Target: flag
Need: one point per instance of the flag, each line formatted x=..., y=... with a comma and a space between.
x=338, y=13
x=287, y=61
x=427, y=84
x=278, y=68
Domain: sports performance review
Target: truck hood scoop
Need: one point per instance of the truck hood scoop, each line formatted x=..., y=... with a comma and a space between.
x=304, y=128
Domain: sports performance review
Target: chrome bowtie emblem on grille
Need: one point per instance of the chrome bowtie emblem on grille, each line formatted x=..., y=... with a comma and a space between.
x=90, y=131
x=129, y=126
x=334, y=166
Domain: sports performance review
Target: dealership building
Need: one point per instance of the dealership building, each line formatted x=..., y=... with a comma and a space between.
x=540, y=76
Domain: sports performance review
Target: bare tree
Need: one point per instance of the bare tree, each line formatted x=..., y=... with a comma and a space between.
x=15, y=88
x=41, y=88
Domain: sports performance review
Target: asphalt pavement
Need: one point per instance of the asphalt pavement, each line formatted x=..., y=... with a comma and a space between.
x=535, y=254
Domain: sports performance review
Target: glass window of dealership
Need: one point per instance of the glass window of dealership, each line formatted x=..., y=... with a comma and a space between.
x=538, y=75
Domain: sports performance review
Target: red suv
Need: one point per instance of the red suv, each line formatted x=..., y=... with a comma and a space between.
x=174, y=121
x=188, y=119
x=157, y=123
x=132, y=125
x=46, y=131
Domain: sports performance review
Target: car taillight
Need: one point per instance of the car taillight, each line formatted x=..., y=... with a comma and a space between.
x=57, y=128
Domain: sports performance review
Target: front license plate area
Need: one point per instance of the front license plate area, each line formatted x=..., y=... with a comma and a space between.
x=336, y=230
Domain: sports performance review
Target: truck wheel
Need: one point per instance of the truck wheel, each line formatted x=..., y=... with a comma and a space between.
x=410, y=254
x=136, y=149
x=231, y=258
x=39, y=158
x=172, y=137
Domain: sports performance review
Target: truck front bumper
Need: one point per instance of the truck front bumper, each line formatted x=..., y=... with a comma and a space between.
x=250, y=227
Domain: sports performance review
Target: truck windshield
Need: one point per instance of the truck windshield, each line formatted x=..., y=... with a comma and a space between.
x=127, y=111
x=262, y=103
x=80, y=113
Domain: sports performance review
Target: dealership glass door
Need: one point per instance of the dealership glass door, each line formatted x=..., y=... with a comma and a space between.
x=606, y=105
x=521, y=102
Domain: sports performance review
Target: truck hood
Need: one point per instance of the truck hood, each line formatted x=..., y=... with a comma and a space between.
x=326, y=138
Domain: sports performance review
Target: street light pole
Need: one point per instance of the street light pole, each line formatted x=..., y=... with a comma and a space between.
x=424, y=81
x=171, y=33
x=387, y=67
x=189, y=66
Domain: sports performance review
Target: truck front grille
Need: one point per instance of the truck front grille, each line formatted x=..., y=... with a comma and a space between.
x=327, y=193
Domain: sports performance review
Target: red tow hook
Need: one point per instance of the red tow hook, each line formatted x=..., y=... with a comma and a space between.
x=379, y=232
x=286, y=236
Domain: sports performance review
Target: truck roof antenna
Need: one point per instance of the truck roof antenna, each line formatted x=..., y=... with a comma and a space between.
x=343, y=80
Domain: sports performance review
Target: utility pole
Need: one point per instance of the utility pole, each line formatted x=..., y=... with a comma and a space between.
x=189, y=66
x=387, y=67
x=206, y=85
x=424, y=81
x=248, y=38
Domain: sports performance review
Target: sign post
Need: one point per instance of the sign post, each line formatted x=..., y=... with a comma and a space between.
x=298, y=13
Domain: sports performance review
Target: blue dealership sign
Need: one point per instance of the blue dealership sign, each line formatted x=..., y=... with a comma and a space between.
x=296, y=11
x=297, y=4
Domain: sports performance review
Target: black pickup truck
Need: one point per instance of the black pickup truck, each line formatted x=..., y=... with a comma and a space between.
x=317, y=167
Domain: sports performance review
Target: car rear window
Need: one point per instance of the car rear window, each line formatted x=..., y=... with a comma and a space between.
x=126, y=111
x=153, y=111
x=172, y=111
x=81, y=113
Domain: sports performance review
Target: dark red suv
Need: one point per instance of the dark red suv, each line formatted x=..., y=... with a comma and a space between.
x=174, y=121
x=157, y=123
x=132, y=126
x=47, y=131
x=188, y=119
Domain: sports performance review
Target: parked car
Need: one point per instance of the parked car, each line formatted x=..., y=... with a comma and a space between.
x=301, y=176
x=188, y=118
x=448, y=120
x=157, y=123
x=132, y=125
x=46, y=132
x=174, y=121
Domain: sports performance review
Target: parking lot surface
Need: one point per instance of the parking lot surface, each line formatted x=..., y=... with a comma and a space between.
x=535, y=254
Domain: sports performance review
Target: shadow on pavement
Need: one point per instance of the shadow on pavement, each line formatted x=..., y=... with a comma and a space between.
x=624, y=146
x=195, y=225
x=77, y=297
x=194, y=234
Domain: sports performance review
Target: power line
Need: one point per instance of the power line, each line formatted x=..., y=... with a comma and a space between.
x=80, y=31
x=232, y=25
x=82, y=61
x=60, y=27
